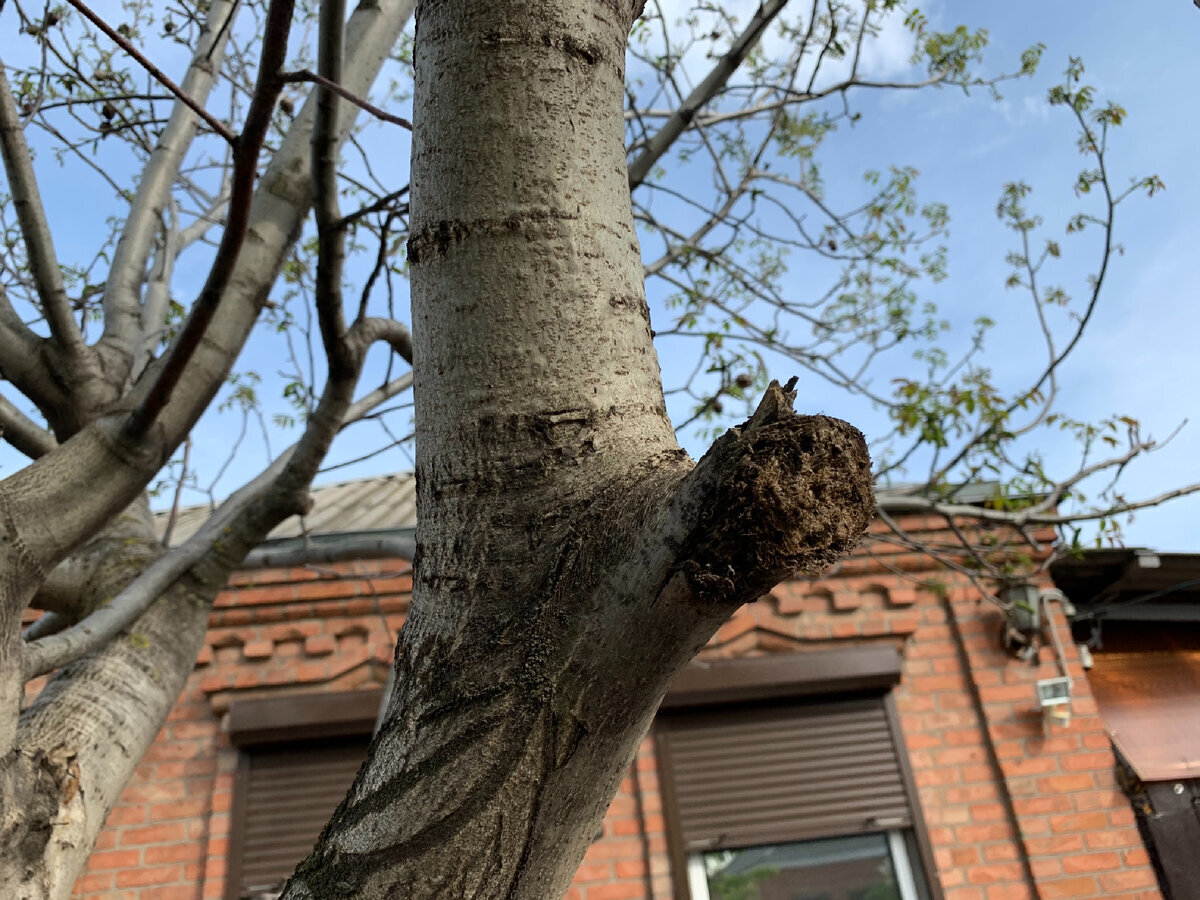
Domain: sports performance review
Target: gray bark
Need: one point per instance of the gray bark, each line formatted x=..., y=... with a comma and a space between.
x=570, y=557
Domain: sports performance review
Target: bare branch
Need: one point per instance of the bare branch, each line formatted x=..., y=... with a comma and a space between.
x=662, y=140
x=173, y=516
x=39, y=244
x=363, y=406
x=245, y=165
x=23, y=433
x=282, y=487
x=45, y=625
x=122, y=289
x=392, y=546
x=1019, y=518
x=21, y=361
x=152, y=319
x=366, y=105
x=331, y=235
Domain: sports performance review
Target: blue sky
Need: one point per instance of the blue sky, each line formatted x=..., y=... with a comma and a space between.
x=1139, y=356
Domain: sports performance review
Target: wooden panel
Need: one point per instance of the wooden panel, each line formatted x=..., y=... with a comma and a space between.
x=1150, y=703
x=783, y=772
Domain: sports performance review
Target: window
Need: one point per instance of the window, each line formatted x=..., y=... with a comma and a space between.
x=859, y=867
x=772, y=793
x=297, y=758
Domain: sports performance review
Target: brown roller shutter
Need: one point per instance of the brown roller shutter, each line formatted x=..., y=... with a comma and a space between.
x=285, y=795
x=789, y=771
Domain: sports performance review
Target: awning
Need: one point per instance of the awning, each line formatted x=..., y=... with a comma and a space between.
x=1150, y=703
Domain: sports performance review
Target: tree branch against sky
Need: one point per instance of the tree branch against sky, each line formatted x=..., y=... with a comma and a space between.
x=771, y=235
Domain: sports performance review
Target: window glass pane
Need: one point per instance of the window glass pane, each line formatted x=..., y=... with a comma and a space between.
x=849, y=868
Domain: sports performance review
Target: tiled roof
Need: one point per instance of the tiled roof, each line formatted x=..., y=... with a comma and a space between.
x=384, y=503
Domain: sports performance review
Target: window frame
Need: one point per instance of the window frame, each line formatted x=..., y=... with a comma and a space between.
x=697, y=877
x=831, y=675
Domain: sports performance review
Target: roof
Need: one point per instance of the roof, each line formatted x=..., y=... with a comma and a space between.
x=382, y=503
x=389, y=503
x=1131, y=584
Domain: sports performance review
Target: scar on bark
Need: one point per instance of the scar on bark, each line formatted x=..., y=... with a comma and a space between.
x=792, y=494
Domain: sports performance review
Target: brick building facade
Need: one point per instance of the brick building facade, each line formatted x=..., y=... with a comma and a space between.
x=990, y=803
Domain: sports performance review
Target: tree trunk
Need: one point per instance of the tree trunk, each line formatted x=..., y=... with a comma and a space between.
x=570, y=557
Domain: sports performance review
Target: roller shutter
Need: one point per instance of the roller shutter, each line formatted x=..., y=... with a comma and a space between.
x=285, y=796
x=785, y=771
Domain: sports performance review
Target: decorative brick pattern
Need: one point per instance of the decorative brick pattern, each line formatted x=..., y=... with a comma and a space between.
x=1012, y=811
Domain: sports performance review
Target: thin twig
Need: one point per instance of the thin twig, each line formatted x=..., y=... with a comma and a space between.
x=306, y=75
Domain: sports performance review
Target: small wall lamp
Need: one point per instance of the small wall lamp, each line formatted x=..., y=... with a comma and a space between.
x=1054, y=697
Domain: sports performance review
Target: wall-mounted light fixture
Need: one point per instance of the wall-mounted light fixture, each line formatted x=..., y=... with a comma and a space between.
x=1022, y=619
x=1054, y=697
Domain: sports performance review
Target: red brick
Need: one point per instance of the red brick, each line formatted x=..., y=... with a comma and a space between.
x=1061, y=784
x=94, y=881
x=1069, y=887
x=125, y=814
x=1034, y=806
x=320, y=645
x=1063, y=843
x=1094, y=821
x=147, y=875
x=987, y=812
x=621, y=891
x=972, y=834
x=152, y=834
x=995, y=872
x=616, y=849
x=115, y=859
x=1000, y=852
x=258, y=649
x=1045, y=867
x=1128, y=880
x=1115, y=838
x=593, y=871
x=1121, y=817
x=1091, y=862
x=185, y=852
x=1136, y=857
x=1079, y=762
x=631, y=868
x=175, y=892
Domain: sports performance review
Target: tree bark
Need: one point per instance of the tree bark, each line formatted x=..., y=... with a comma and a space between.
x=570, y=557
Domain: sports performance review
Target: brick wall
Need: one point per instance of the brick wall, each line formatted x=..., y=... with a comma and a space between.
x=1012, y=811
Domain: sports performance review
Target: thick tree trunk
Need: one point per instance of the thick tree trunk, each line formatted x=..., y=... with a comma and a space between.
x=571, y=559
